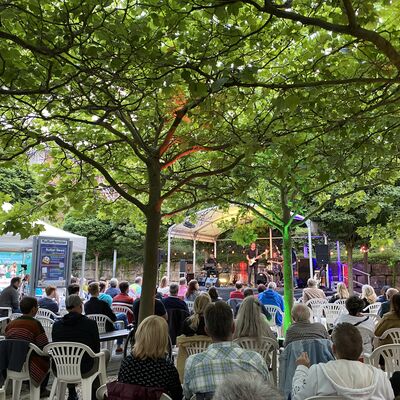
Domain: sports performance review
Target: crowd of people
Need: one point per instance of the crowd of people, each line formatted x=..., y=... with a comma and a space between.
x=224, y=370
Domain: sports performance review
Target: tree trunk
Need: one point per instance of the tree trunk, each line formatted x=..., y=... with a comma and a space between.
x=96, y=266
x=287, y=275
x=153, y=219
x=349, y=249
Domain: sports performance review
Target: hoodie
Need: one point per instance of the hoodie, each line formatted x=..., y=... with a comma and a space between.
x=349, y=379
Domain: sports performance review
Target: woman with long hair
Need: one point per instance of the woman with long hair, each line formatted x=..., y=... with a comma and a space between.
x=192, y=290
x=341, y=293
x=390, y=320
x=148, y=365
x=250, y=322
x=194, y=325
x=368, y=295
x=212, y=291
x=163, y=288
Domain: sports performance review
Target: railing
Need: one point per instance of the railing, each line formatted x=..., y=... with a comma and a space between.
x=362, y=273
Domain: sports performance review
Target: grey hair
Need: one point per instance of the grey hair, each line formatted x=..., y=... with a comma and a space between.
x=272, y=285
x=138, y=280
x=173, y=289
x=311, y=282
x=113, y=282
x=391, y=292
x=300, y=313
x=245, y=387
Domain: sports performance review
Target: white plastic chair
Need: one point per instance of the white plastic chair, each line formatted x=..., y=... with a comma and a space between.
x=394, y=335
x=67, y=357
x=197, y=346
x=367, y=339
x=372, y=308
x=101, y=321
x=47, y=324
x=391, y=358
x=316, y=306
x=44, y=312
x=267, y=347
x=2, y=394
x=375, y=317
x=342, y=302
x=273, y=310
x=331, y=312
x=15, y=316
x=18, y=377
x=8, y=309
x=190, y=305
x=121, y=308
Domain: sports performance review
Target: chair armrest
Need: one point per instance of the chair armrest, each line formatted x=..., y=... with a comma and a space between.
x=37, y=350
x=120, y=324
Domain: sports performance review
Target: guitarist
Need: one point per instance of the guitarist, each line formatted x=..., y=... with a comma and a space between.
x=252, y=263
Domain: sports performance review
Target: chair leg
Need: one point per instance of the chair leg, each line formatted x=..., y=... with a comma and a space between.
x=62, y=390
x=34, y=392
x=53, y=389
x=17, y=385
x=87, y=388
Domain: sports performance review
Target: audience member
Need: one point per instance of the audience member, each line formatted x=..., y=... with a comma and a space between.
x=346, y=376
x=75, y=327
x=245, y=387
x=9, y=296
x=192, y=290
x=164, y=288
x=383, y=297
x=238, y=293
x=312, y=291
x=113, y=289
x=250, y=321
x=30, y=329
x=102, y=295
x=302, y=328
x=49, y=301
x=341, y=293
x=123, y=297
x=249, y=292
x=368, y=295
x=173, y=301
x=385, y=307
x=147, y=365
x=194, y=325
x=135, y=290
x=272, y=298
x=73, y=289
x=261, y=288
x=159, y=309
x=206, y=370
x=212, y=291
x=182, y=288
x=390, y=320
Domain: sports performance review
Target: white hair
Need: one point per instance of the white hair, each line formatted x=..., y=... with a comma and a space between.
x=300, y=313
x=272, y=285
x=245, y=387
x=113, y=282
x=311, y=282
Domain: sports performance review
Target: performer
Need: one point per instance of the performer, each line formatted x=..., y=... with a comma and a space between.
x=212, y=260
x=277, y=262
x=252, y=263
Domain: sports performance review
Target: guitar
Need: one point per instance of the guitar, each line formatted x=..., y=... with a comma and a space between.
x=254, y=259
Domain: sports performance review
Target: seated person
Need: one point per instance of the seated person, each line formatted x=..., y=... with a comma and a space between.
x=73, y=288
x=103, y=296
x=182, y=288
x=302, y=328
x=341, y=293
x=194, y=325
x=206, y=370
x=49, y=302
x=113, y=289
x=346, y=376
x=272, y=298
x=249, y=292
x=368, y=295
x=212, y=291
x=173, y=301
x=159, y=309
x=385, y=307
x=389, y=320
x=9, y=296
x=238, y=293
x=147, y=365
x=124, y=298
x=312, y=291
x=192, y=290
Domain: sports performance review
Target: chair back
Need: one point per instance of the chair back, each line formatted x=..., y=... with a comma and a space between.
x=190, y=305
x=176, y=316
x=273, y=310
x=67, y=357
x=389, y=354
x=375, y=317
x=394, y=335
x=5, y=311
x=372, y=308
x=101, y=321
x=44, y=312
x=331, y=312
x=367, y=339
x=15, y=316
x=197, y=346
x=47, y=324
x=342, y=302
x=316, y=306
x=266, y=347
x=121, y=308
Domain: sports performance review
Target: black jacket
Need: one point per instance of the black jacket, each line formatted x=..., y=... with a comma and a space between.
x=96, y=306
x=75, y=327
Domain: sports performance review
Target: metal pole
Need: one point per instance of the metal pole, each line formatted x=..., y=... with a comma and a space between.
x=215, y=249
x=340, y=271
x=327, y=265
x=82, y=273
x=169, y=257
x=308, y=223
x=114, y=263
x=270, y=243
x=194, y=256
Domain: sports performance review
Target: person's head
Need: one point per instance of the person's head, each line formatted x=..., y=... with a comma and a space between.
x=250, y=322
x=212, y=291
x=311, y=283
x=94, y=289
x=73, y=279
x=173, y=289
x=248, y=292
x=390, y=293
x=253, y=245
x=182, y=281
x=395, y=304
x=245, y=387
x=347, y=342
x=138, y=280
x=300, y=313
x=73, y=303
x=113, y=282
x=354, y=305
x=272, y=286
x=342, y=291
x=73, y=289
x=384, y=289
x=368, y=293
x=192, y=287
x=51, y=291
x=29, y=306
x=261, y=288
x=218, y=318
x=124, y=287
x=200, y=303
x=15, y=282
x=151, y=338
x=102, y=286
x=211, y=256
x=164, y=282
x=238, y=285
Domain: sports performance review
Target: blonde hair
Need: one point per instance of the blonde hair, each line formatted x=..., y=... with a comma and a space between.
x=250, y=322
x=151, y=338
x=342, y=291
x=368, y=293
x=163, y=282
x=200, y=304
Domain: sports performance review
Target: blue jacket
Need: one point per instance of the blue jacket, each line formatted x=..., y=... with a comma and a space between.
x=272, y=298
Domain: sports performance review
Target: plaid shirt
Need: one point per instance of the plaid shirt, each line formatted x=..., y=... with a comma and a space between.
x=204, y=371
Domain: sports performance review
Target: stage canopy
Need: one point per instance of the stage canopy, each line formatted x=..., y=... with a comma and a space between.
x=10, y=242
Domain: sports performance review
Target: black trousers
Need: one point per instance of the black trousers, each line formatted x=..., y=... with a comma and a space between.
x=252, y=269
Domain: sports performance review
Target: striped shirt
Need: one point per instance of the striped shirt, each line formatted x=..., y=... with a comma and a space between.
x=204, y=371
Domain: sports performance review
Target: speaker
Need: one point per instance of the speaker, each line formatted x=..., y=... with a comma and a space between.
x=182, y=265
x=322, y=254
x=303, y=272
